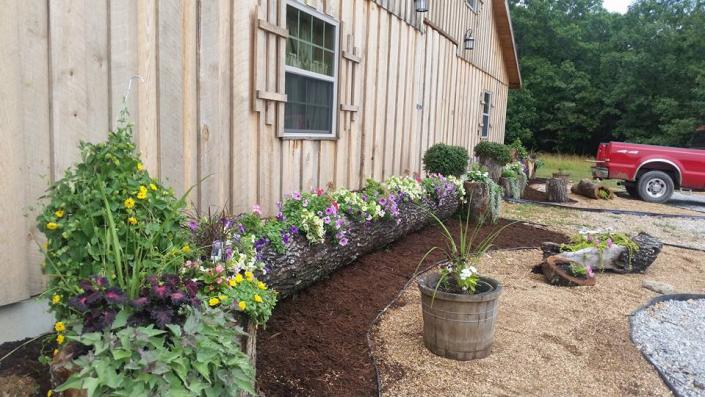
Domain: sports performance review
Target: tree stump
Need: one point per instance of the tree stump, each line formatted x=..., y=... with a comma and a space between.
x=557, y=190
x=592, y=190
x=482, y=206
x=649, y=248
x=494, y=169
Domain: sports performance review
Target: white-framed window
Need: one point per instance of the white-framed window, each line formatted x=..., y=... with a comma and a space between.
x=486, y=109
x=311, y=73
x=472, y=4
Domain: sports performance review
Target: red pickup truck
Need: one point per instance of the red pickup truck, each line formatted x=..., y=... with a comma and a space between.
x=651, y=173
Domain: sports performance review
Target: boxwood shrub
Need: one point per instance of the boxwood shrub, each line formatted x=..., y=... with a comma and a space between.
x=446, y=160
x=496, y=151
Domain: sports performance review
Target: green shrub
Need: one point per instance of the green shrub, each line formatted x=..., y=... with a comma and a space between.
x=521, y=151
x=108, y=217
x=446, y=160
x=495, y=151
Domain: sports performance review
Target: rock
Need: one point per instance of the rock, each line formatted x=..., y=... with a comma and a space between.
x=658, y=287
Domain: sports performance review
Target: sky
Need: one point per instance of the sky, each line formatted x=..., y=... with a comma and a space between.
x=619, y=6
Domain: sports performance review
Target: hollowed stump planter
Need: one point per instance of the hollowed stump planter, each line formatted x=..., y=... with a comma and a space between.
x=458, y=326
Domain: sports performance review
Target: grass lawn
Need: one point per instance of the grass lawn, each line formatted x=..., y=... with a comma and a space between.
x=577, y=166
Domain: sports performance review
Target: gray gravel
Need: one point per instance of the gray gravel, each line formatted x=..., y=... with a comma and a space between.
x=672, y=335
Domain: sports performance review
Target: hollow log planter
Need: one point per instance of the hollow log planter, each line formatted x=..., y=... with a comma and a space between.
x=557, y=190
x=555, y=274
x=617, y=260
x=592, y=190
x=513, y=188
x=303, y=263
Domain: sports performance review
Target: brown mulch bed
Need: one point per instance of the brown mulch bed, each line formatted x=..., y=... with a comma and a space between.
x=316, y=342
x=21, y=374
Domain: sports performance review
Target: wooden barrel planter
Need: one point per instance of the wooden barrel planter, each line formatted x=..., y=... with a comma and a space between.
x=458, y=326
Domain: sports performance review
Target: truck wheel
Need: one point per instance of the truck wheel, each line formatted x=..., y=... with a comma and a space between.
x=632, y=189
x=655, y=187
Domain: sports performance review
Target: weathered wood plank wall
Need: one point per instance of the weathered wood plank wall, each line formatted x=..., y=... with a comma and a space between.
x=65, y=67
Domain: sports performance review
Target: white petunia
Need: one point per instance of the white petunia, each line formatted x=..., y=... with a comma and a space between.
x=465, y=274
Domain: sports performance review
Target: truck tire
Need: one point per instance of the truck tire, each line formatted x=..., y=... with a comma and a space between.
x=632, y=189
x=655, y=187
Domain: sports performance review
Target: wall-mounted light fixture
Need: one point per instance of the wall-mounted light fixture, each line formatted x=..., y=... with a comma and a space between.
x=421, y=5
x=469, y=41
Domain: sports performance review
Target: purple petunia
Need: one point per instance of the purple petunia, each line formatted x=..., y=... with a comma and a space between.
x=193, y=225
x=294, y=230
x=115, y=296
x=280, y=216
x=326, y=220
x=296, y=196
x=343, y=241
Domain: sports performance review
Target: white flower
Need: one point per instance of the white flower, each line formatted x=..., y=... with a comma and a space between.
x=465, y=274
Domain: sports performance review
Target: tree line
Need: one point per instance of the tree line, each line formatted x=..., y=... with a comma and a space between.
x=592, y=76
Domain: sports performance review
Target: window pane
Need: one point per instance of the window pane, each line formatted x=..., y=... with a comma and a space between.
x=328, y=61
x=488, y=100
x=292, y=21
x=305, y=26
x=485, y=124
x=292, y=52
x=309, y=108
x=318, y=26
x=330, y=37
x=305, y=55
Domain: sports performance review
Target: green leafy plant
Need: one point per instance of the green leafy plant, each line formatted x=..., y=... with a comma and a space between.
x=200, y=358
x=519, y=148
x=602, y=241
x=446, y=160
x=108, y=217
x=495, y=151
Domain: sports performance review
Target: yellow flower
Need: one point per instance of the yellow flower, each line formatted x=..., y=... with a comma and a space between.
x=50, y=393
x=52, y=225
x=222, y=297
x=55, y=299
x=142, y=194
x=132, y=220
x=249, y=276
x=140, y=166
x=186, y=249
x=59, y=339
x=261, y=285
x=242, y=305
x=213, y=301
x=129, y=202
x=232, y=282
x=238, y=278
x=59, y=213
x=258, y=298
x=59, y=326
x=56, y=351
x=153, y=187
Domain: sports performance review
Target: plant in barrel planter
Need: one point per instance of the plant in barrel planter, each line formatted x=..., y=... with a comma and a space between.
x=459, y=305
x=493, y=156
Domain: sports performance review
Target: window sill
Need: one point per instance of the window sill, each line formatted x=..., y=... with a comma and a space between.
x=307, y=138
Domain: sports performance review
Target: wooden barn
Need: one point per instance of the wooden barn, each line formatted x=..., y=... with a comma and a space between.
x=265, y=97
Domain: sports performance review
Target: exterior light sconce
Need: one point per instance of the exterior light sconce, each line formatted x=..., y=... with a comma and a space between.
x=421, y=5
x=469, y=41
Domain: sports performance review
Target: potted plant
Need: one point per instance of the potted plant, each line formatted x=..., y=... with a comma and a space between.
x=459, y=305
x=493, y=156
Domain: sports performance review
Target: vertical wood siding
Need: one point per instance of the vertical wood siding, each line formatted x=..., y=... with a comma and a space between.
x=65, y=67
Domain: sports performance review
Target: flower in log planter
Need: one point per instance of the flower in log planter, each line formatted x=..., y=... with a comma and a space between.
x=493, y=156
x=483, y=196
x=459, y=305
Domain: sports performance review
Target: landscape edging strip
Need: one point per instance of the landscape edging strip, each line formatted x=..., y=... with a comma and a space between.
x=653, y=301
